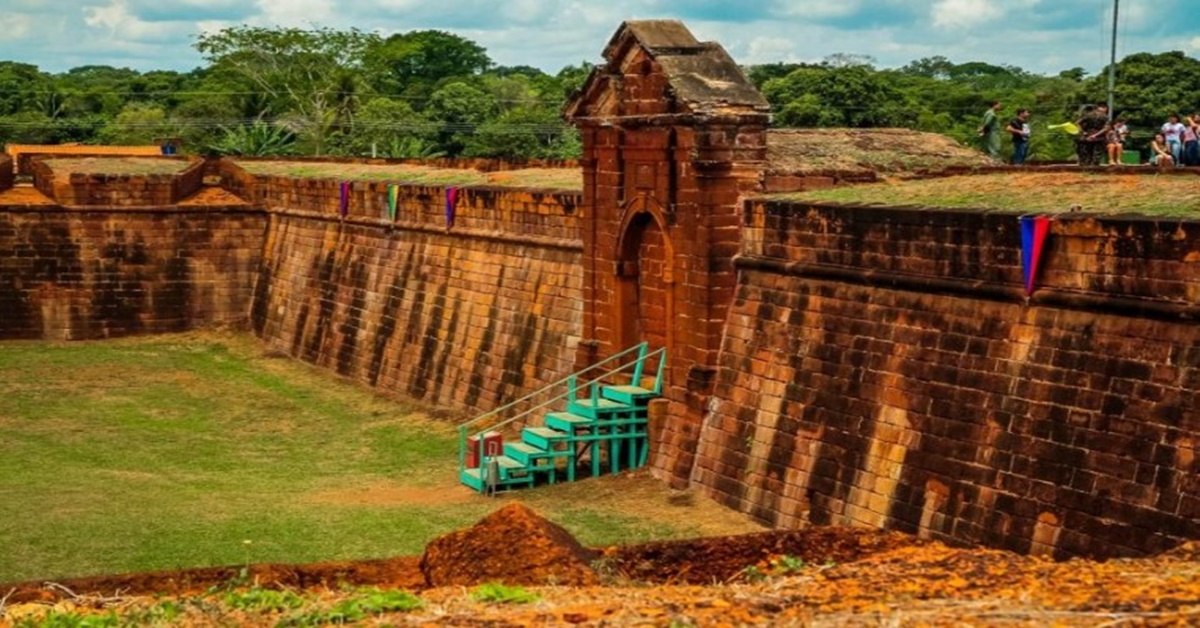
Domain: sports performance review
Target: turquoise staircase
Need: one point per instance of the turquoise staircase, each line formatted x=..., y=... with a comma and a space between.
x=592, y=421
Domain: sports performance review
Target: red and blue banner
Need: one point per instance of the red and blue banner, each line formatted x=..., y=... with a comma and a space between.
x=1034, y=230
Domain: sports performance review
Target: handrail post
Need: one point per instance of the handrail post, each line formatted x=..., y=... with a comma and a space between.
x=641, y=361
x=462, y=448
x=658, y=374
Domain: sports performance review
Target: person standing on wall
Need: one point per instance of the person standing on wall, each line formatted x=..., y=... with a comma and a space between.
x=1020, y=131
x=1093, y=128
x=989, y=131
x=1191, y=140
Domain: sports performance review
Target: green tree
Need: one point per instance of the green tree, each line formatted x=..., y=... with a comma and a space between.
x=21, y=86
x=572, y=78
x=524, y=133
x=94, y=89
x=258, y=138
x=414, y=63
x=936, y=67
x=309, y=76
x=760, y=74
x=850, y=96
x=137, y=124
x=459, y=108
x=387, y=127
x=27, y=127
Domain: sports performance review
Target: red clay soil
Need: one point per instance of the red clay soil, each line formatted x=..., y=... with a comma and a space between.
x=818, y=576
x=213, y=197
x=404, y=573
x=513, y=545
x=24, y=195
x=714, y=560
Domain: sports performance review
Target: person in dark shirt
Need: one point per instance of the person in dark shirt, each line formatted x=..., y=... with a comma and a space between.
x=1093, y=128
x=1020, y=131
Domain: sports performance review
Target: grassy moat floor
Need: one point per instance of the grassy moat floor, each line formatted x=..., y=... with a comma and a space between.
x=198, y=450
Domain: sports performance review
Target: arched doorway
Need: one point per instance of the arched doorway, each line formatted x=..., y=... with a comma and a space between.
x=645, y=303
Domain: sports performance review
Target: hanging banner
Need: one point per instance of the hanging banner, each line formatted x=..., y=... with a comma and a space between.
x=1034, y=230
x=344, y=199
x=393, y=194
x=451, y=205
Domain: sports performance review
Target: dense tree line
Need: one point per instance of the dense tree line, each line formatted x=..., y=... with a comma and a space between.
x=430, y=93
x=934, y=94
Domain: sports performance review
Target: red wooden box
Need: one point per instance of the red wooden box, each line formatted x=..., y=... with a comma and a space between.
x=493, y=445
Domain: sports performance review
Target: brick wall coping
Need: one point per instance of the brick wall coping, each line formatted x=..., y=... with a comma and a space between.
x=921, y=214
x=359, y=184
x=463, y=232
x=483, y=165
x=866, y=175
x=46, y=208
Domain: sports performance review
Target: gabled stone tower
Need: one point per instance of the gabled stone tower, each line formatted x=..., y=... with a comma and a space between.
x=673, y=135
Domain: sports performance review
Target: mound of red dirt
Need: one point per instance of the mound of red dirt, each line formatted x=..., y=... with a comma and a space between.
x=719, y=559
x=393, y=572
x=513, y=545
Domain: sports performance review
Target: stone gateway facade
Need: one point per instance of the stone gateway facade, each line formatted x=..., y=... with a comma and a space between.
x=673, y=136
x=829, y=364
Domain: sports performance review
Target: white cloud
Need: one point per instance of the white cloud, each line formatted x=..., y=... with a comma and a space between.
x=296, y=12
x=15, y=25
x=110, y=17
x=123, y=30
x=771, y=49
x=951, y=14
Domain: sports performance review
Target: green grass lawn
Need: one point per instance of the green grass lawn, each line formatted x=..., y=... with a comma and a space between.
x=1149, y=193
x=175, y=451
x=417, y=174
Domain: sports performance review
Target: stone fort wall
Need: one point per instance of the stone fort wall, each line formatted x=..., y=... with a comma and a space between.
x=878, y=366
x=467, y=314
x=882, y=367
x=99, y=272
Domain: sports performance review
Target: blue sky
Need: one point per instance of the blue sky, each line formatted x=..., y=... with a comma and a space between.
x=1039, y=35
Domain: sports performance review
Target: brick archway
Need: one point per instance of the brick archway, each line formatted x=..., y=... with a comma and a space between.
x=645, y=300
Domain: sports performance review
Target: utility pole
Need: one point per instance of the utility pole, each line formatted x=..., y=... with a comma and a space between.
x=1112, y=64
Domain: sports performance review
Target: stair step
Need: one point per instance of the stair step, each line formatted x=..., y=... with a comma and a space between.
x=508, y=463
x=475, y=478
x=632, y=395
x=525, y=453
x=600, y=407
x=566, y=422
x=543, y=437
x=472, y=478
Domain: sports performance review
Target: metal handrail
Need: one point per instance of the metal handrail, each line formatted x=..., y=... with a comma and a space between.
x=462, y=429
